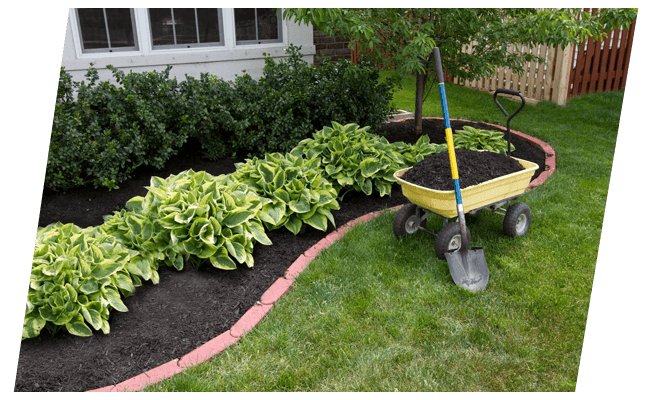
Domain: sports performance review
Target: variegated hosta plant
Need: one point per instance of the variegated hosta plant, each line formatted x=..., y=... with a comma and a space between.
x=479, y=139
x=354, y=158
x=295, y=187
x=77, y=278
x=414, y=153
x=203, y=218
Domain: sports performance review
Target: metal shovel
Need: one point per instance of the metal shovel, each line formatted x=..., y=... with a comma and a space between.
x=468, y=268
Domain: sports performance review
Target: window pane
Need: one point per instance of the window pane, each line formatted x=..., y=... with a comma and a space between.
x=245, y=24
x=161, y=26
x=93, y=28
x=208, y=25
x=120, y=27
x=185, y=23
x=267, y=24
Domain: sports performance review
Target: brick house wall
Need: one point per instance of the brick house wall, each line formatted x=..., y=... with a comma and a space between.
x=326, y=46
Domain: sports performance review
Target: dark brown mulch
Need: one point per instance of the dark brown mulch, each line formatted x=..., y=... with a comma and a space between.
x=474, y=167
x=187, y=308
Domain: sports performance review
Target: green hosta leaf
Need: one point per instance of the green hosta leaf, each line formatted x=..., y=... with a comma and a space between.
x=279, y=179
x=237, y=217
x=92, y=317
x=78, y=327
x=135, y=204
x=197, y=226
x=207, y=250
x=105, y=268
x=135, y=224
x=88, y=287
x=272, y=214
x=383, y=188
x=140, y=267
x=369, y=167
x=331, y=169
x=123, y=281
x=169, y=221
x=206, y=233
x=293, y=224
x=147, y=231
x=221, y=260
x=186, y=216
x=192, y=246
x=328, y=214
x=367, y=187
x=282, y=195
x=32, y=325
x=176, y=261
x=236, y=250
x=300, y=206
x=257, y=230
x=267, y=172
x=318, y=221
x=114, y=300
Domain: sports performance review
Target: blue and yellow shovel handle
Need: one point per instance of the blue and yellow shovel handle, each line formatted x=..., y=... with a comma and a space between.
x=448, y=132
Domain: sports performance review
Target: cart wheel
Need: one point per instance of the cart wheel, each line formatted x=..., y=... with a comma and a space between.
x=517, y=220
x=448, y=239
x=404, y=222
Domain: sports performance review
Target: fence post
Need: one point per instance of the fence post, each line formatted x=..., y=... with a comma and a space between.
x=563, y=66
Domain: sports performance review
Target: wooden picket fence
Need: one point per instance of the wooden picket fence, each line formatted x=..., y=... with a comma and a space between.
x=591, y=66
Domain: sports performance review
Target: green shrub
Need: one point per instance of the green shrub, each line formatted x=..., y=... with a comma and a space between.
x=106, y=132
x=210, y=112
x=289, y=102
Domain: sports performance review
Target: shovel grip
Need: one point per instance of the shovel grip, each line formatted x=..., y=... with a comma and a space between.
x=438, y=62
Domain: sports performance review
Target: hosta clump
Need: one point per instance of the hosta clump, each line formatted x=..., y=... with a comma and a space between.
x=295, y=187
x=414, y=153
x=77, y=278
x=137, y=228
x=354, y=158
x=479, y=139
x=203, y=218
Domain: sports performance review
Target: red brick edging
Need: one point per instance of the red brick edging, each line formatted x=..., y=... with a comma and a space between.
x=281, y=286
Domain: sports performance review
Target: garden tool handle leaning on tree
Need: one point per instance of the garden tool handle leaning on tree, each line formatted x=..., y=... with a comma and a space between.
x=468, y=268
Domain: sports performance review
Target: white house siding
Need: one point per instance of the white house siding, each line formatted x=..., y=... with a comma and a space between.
x=226, y=61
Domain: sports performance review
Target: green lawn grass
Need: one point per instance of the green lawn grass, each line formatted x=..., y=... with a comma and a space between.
x=378, y=313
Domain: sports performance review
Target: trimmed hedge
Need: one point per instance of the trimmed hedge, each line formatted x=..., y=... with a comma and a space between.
x=101, y=135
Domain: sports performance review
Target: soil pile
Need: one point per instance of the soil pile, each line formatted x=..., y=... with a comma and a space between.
x=474, y=167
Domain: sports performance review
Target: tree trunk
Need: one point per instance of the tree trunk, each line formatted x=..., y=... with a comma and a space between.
x=419, y=93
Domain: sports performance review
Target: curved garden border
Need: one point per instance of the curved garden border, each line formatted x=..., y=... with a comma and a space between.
x=281, y=286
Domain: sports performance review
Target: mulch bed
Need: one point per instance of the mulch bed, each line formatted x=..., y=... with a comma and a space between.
x=189, y=307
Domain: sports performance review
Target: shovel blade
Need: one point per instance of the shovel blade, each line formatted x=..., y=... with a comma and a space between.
x=469, y=268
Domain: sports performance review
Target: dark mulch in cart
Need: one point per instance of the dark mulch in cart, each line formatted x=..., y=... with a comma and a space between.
x=474, y=167
x=187, y=308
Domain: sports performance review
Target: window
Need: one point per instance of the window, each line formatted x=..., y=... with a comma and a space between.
x=185, y=27
x=257, y=25
x=106, y=29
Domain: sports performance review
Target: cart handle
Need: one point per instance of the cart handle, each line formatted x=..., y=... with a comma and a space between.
x=523, y=103
x=513, y=93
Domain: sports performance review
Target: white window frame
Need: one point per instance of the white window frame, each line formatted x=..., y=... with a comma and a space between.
x=281, y=33
x=221, y=43
x=144, y=41
x=135, y=48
